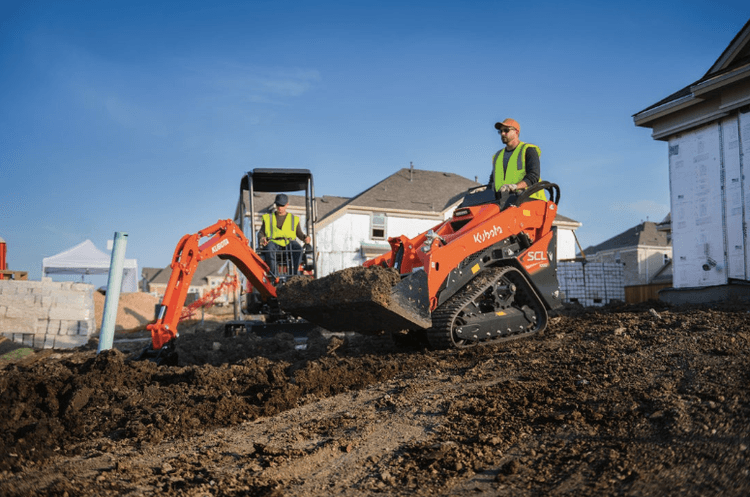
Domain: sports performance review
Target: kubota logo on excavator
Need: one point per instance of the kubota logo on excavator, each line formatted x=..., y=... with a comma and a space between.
x=220, y=245
x=487, y=234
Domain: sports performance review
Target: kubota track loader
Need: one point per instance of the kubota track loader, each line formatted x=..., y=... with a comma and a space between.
x=487, y=274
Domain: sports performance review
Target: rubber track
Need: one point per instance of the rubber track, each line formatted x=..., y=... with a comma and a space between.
x=440, y=335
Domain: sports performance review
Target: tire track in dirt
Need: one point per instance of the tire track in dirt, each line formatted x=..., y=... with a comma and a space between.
x=616, y=401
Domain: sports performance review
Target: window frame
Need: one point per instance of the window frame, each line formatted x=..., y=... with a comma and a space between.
x=382, y=227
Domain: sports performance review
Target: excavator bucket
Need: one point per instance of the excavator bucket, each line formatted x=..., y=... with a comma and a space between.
x=364, y=300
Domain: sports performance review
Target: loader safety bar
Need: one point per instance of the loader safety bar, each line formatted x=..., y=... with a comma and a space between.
x=552, y=189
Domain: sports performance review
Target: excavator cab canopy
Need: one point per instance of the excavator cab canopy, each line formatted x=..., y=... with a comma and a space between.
x=297, y=182
x=277, y=180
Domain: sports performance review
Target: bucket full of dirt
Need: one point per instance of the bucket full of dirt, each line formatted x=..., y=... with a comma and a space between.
x=362, y=299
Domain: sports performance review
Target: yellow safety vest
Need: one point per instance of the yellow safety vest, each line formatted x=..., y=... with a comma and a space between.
x=281, y=236
x=516, y=169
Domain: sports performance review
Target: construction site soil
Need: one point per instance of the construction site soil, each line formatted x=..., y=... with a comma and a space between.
x=623, y=400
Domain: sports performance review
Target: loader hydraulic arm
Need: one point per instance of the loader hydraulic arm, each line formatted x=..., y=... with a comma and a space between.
x=226, y=241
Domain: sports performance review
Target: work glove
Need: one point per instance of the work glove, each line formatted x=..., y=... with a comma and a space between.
x=508, y=188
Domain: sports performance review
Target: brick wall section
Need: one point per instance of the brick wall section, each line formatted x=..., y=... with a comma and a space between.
x=592, y=283
x=47, y=314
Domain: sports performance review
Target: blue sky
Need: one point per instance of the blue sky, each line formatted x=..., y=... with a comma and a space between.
x=141, y=117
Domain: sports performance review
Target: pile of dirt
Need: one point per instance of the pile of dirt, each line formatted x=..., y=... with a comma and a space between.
x=629, y=400
x=357, y=298
x=135, y=310
x=340, y=288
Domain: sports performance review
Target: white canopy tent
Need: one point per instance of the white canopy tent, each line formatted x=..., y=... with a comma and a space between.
x=84, y=259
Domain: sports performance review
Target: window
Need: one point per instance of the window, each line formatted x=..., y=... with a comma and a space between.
x=377, y=226
x=666, y=259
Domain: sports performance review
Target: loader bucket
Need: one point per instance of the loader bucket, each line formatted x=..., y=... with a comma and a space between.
x=364, y=300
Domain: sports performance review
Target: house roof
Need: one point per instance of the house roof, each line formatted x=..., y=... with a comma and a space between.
x=421, y=192
x=645, y=233
x=415, y=190
x=418, y=191
x=208, y=267
x=663, y=275
x=665, y=224
x=148, y=273
x=731, y=67
x=564, y=220
x=263, y=201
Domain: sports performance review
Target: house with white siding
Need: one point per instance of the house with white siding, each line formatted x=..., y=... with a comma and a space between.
x=707, y=128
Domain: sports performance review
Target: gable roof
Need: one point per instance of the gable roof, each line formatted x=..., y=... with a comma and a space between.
x=149, y=273
x=665, y=224
x=263, y=201
x=731, y=68
x=645, y=233
x=415, y=190
x=664, y=274
x=328, y=204
x=418, y=191
x=207, y=267
x=566, y=222
x=737, y=52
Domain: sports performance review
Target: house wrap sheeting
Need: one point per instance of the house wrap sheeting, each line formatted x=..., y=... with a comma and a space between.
x=710, y=203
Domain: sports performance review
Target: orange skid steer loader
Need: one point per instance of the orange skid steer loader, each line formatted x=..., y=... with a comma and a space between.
x=485, y=275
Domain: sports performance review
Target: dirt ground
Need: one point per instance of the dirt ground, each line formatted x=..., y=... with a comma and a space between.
x=625, y=400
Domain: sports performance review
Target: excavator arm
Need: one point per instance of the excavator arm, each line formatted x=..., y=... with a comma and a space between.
x=225, y=240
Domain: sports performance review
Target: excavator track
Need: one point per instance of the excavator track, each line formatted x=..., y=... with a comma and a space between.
x=498, y=305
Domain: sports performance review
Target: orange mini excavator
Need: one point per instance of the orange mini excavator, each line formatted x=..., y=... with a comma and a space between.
x=226, y=240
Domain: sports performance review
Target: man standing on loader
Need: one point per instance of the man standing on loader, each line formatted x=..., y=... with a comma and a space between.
x=517, y=166
x=279, y=230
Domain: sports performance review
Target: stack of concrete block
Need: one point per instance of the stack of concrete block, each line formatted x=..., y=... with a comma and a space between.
x=47, y=314
x=591, y=284
x=572, y=281
x=614, y=281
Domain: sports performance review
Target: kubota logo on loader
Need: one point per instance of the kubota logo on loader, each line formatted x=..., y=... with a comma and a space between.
x=487, y=234
x=220, y=245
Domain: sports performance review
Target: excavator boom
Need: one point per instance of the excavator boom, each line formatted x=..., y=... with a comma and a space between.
x=224, y=240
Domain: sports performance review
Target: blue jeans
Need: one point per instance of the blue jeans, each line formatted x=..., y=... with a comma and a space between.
x=290, y=256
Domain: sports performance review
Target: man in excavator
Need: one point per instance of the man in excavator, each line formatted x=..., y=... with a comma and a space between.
x=517, y=166
x=278, y=232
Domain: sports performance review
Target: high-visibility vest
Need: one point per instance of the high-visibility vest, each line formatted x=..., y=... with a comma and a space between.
x=516, y=168
x=281, y=236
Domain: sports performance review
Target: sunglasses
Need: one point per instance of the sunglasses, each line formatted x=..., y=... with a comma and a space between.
x=505, y=130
